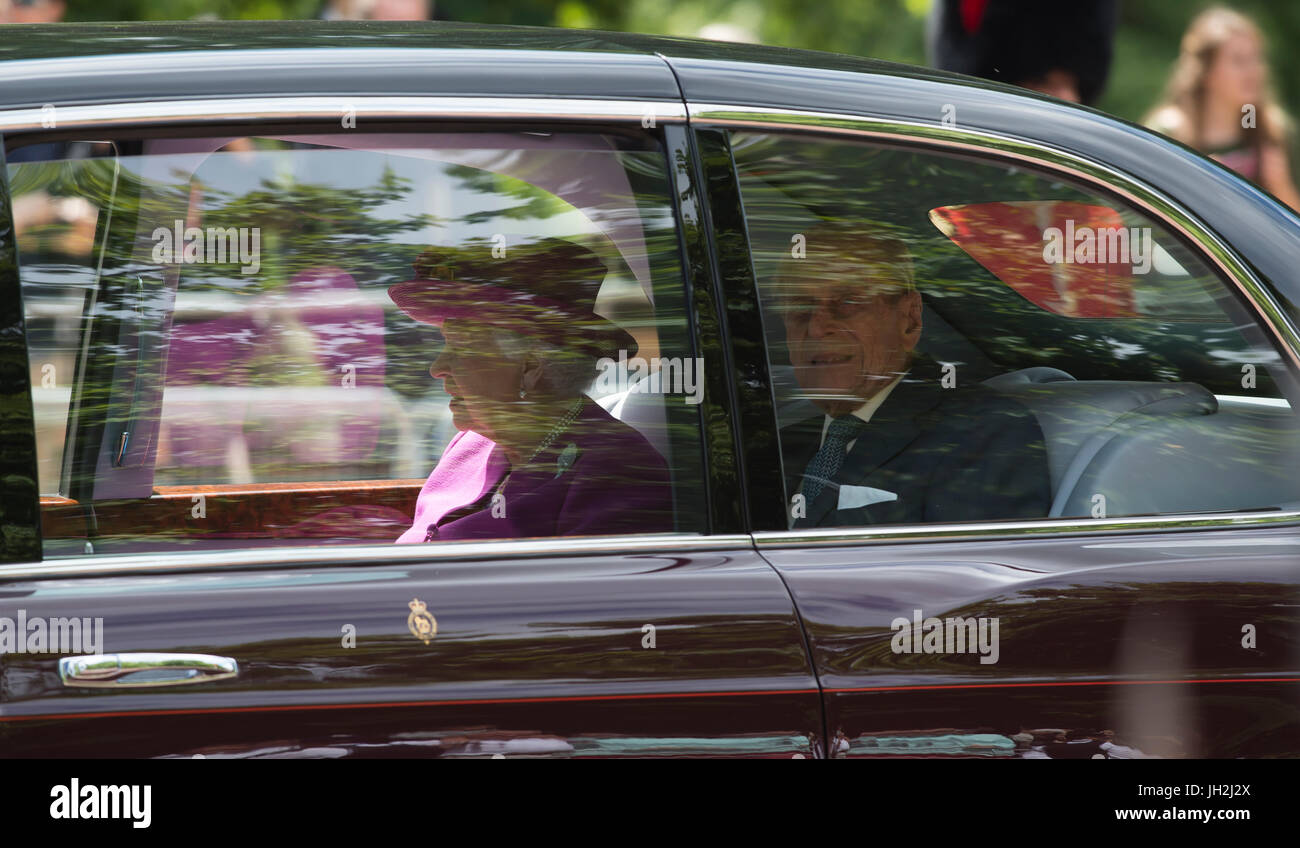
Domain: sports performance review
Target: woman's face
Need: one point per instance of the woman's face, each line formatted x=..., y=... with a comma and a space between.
x=483, y=383
x=1237, y=73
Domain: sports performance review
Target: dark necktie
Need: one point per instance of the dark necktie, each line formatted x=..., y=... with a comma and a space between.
x=826, y=463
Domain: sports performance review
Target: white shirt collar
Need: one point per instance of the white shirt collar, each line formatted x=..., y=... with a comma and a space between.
x=864, y=412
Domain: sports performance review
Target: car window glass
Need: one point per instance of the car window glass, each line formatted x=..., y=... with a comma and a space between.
x=318, y=339
x=956, y=339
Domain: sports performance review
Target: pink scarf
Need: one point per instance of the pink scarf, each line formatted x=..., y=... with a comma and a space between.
x=470, y=467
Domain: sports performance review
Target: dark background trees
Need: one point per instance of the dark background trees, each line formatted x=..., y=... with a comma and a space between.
x=1147, y=40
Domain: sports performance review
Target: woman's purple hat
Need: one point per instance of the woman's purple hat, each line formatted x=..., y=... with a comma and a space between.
x=545, y=288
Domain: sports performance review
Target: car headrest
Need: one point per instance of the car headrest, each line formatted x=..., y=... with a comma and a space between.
x=1027, y=376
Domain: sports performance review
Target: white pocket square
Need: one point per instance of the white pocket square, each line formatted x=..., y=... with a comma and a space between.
x=852, y=497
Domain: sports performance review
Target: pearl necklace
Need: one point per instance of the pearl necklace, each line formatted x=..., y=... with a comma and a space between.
x=560, y=426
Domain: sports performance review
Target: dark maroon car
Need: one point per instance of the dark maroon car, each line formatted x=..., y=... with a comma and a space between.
x=1065, y=528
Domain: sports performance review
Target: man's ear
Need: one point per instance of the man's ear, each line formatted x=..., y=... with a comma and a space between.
x=911, y=310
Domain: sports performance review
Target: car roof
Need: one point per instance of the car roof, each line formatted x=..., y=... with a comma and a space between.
x=95, y=62
x=48, y=41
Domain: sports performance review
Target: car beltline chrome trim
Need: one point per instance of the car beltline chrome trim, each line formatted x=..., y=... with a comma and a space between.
x=1028, y=529
x=272, y=108
x=398, y=555
x=366, y=556
x=1144, y=197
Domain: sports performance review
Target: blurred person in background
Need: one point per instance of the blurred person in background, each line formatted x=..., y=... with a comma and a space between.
x=32, y=11
x=1219, y=101
x=1062, y=50
x=378, y=10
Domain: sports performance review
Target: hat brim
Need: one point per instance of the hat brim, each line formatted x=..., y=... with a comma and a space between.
x=433, y=301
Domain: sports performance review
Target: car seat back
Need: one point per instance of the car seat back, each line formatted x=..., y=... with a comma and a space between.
x=1150, y=447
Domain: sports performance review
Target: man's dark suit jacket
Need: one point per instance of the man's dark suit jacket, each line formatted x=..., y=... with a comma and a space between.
x=960, y=454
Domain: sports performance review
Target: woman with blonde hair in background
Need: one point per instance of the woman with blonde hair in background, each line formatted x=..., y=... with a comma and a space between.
x=1218, y=101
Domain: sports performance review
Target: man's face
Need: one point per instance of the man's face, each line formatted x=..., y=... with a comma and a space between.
x=483, y=383
x=849, y=339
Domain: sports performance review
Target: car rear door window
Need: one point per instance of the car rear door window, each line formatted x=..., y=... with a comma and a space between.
x=244, y=341
x=953, y=338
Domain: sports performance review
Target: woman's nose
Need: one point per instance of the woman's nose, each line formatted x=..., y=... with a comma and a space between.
x=440, y=367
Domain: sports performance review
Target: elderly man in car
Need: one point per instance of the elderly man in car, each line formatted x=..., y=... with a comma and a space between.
x=898, y=438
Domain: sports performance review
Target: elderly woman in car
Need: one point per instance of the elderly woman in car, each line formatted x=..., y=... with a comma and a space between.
x=534, y=456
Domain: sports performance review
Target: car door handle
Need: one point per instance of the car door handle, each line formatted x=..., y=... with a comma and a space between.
x=129, y=671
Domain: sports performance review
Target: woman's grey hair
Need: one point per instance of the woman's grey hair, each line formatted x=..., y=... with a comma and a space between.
x=568, y=372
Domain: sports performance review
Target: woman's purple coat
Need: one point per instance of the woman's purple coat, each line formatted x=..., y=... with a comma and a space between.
x=599, y=476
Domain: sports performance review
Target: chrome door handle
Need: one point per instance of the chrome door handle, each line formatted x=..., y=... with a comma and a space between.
x=130, y=671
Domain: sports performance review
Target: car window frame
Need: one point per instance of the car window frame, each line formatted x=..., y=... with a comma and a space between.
x=725, y=520
x=995, y=148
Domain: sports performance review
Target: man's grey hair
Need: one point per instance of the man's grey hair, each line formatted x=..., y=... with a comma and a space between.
x=838, y=251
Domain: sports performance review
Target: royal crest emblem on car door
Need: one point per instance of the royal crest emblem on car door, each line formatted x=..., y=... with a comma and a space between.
x=421, y=622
